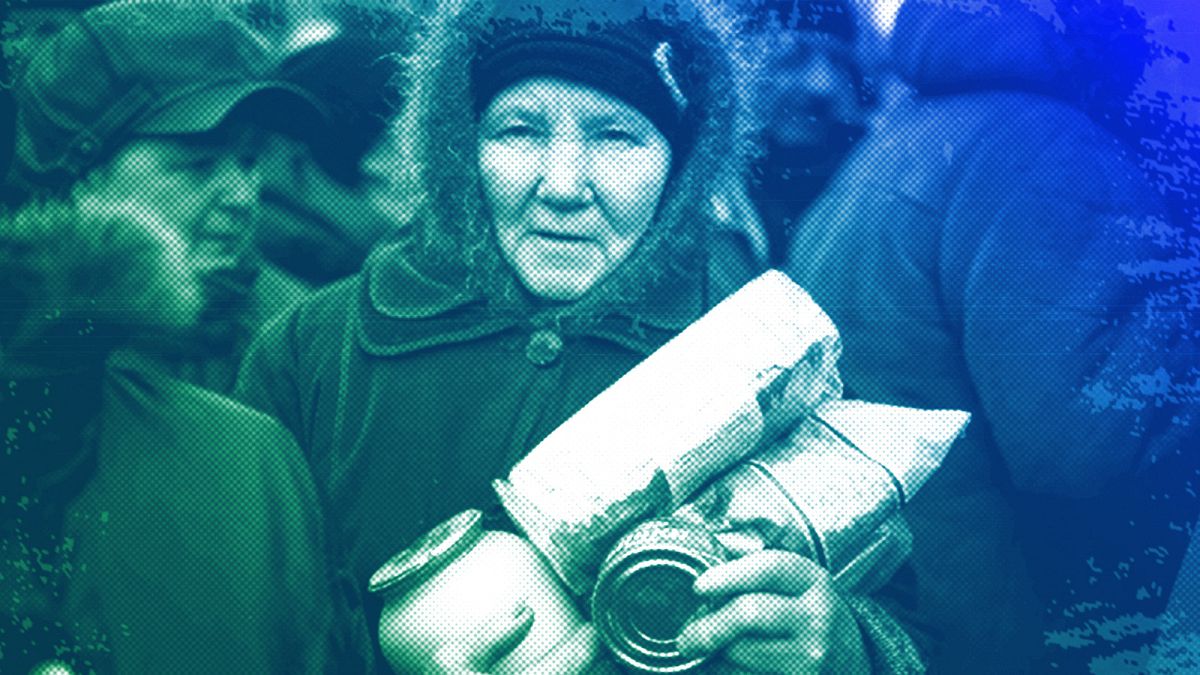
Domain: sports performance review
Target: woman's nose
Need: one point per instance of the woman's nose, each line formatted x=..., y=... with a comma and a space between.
x=564, y=181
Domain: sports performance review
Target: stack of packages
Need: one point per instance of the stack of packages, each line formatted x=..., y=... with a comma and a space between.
x=731, y=438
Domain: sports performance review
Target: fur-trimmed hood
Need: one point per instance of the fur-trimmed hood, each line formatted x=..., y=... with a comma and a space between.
x=79, y=280
x=450, y=234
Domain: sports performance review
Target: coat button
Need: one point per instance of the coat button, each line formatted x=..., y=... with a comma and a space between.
x=543, y=348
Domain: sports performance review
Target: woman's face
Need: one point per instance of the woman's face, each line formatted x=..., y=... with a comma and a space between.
x=573, y=177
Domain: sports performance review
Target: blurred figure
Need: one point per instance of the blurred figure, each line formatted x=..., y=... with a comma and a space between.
x=988, y=247
x=811, y=101
x=319, y=220
x=148, y=525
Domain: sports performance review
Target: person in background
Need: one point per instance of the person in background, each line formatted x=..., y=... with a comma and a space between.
x=988, y=247
x=812, y=102
x=319, y=218
x=118, y=140
x=148, y=525
x=564, y=153
x=806, y=104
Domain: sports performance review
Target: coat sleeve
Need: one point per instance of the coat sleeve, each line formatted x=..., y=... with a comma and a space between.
x=297, y=539
x=272, y=380
x=210, y=553
x=1066, y=281
x=897, y=639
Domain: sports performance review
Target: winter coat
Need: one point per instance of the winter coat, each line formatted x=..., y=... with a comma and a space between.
x=146, y=525
x=179, y=534
x=989, y=248
x=413, y=385
x=409, y=396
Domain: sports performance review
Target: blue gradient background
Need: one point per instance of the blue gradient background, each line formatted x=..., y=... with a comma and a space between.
x=1163, y=122
x=1101, y=627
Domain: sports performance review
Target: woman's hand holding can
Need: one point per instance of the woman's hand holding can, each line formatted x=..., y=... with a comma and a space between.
x=781, y=614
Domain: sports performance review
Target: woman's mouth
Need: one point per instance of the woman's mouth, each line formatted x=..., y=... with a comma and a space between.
x=564, y=237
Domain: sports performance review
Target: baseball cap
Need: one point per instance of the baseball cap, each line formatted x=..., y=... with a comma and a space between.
x=138, y=68
x=353, y=74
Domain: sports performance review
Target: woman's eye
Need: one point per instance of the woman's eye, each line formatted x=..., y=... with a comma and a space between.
x=518, y=131
x=618, y=135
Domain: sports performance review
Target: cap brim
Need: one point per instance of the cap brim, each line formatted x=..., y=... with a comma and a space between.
x=204, y=109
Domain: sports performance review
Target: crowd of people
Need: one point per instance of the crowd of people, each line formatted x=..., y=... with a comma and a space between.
x=283, y=287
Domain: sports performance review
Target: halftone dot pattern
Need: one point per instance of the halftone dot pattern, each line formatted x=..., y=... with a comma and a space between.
x=1021, y=244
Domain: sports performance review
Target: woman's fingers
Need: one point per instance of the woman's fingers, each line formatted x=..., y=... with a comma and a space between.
x=760, y=614
x=780, y=618
x=757, y=655
x=779, y=572
x=572, y=655
x=484, y=647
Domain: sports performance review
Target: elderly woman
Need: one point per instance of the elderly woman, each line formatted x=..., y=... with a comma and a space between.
x=565, y=154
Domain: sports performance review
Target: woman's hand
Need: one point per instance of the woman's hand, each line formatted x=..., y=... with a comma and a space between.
x=781, y=615
x=486, y=648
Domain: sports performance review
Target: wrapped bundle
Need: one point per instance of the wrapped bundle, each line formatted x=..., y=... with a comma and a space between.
x=711, y=396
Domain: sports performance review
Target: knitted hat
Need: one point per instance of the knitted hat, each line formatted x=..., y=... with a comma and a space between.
x=644, y=61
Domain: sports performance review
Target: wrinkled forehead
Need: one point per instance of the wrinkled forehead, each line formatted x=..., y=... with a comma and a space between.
x=552, y=98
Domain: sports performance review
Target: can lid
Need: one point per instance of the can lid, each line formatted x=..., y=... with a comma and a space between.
x=430, y=552
x=644, y=592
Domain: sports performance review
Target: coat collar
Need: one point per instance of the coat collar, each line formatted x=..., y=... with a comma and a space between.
x=400, y=309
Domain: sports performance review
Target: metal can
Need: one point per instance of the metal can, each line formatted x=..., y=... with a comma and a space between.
x=834, y=490
x=643, y=596
x=457, y=578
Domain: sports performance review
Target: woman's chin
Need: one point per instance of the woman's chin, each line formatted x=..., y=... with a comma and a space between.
x=562, y=287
